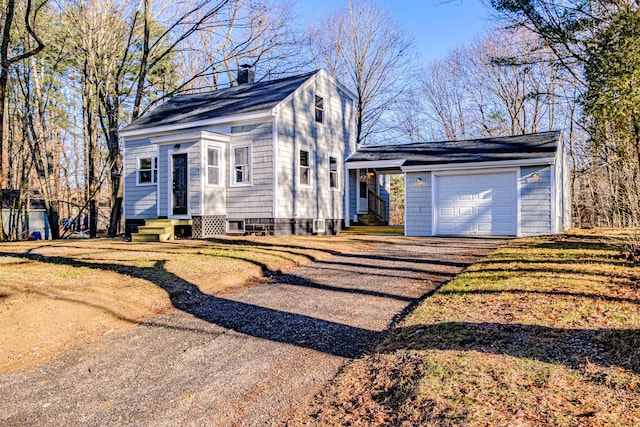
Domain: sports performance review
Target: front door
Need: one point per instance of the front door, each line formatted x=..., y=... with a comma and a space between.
x=180, y=184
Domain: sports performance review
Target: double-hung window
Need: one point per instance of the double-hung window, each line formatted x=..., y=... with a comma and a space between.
x=333, y=173
x=213, y=166
x=319, y=104
x=241, y=170
x=147, y=170
x=304, y=168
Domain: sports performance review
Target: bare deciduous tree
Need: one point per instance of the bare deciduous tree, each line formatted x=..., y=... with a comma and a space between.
x=443, y=90
x=363, y=47
x=6, y=61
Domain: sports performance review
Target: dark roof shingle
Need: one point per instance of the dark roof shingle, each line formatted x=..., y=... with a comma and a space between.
x=242, y=99
x=520, y=147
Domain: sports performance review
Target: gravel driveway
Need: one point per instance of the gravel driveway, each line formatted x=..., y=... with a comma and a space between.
x=247, y=358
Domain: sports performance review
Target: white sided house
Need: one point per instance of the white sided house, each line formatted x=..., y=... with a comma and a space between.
x=507, y=186
x=258, y=158
x=279, y=157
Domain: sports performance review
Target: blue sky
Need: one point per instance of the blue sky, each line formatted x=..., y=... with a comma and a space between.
x=437, y=26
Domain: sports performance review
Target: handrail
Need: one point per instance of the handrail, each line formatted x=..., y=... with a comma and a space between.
x=377, y=206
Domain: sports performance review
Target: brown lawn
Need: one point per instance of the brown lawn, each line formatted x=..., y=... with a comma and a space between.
x=543, y=332
x=53, y=294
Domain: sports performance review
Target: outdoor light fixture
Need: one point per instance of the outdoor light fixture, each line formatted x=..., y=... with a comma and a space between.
x=177, y=146
x=535, y=177
x=419, y=181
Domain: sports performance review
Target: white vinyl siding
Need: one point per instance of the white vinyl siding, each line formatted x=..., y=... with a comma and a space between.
x=255, y=200
x=535, y=200
x=418, y=212
x=141, y=200
x=298, y=130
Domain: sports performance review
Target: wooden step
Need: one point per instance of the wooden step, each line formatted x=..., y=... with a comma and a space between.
x=152, y=229
x=158, y=230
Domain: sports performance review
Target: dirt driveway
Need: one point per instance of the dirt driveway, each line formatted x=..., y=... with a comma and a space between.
x=252, y=357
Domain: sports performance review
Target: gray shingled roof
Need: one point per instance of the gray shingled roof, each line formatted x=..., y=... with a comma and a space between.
x=242, y=99
x=521, y=147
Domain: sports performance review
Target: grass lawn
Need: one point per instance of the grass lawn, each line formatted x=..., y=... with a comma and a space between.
x=543, y=332
x=53, y=294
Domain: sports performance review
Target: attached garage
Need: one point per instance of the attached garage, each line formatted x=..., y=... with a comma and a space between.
x=507, y=186
x=476, y=204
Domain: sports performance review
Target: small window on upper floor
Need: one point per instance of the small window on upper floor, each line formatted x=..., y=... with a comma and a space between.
x=319, y=109
x=147, y=170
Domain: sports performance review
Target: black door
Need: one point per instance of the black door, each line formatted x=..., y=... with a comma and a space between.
x=179, y=184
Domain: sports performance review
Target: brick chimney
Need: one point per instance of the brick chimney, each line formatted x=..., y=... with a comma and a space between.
x=245, y=74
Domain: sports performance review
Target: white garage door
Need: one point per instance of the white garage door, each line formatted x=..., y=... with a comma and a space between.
x=480, y=204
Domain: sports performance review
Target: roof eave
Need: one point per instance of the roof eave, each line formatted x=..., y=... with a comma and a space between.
x=143, y=132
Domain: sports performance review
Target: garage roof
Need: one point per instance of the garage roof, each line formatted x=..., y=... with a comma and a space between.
x=520, y=147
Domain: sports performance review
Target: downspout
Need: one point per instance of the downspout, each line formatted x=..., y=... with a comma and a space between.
x=274, y=130
x=346, y=198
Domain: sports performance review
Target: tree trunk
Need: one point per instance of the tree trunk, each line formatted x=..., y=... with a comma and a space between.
x=112, y=108
x=4, y=79
x=144, y=61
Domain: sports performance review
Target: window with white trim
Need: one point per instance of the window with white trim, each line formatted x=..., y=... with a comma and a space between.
x=213, y=166
x=333, y=173
x=147, y=170
x=235, y=226
x=304, y=167
x=319, y=104
x=318, y=226
x=241, y=165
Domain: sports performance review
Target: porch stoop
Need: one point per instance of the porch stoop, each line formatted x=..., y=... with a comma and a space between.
x=158, y=230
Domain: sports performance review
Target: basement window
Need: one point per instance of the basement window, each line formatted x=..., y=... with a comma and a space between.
x=319, y=226
x=235, y=226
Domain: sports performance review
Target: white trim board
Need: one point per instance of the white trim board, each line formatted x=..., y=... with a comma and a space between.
x=478, y=165
x=177, y=138
x=233, y=119
x=374, y=164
